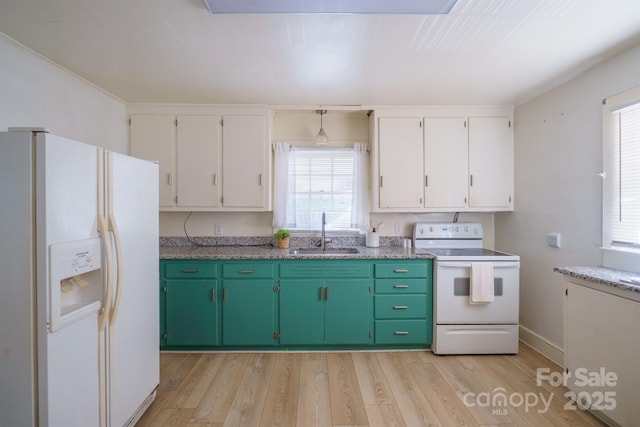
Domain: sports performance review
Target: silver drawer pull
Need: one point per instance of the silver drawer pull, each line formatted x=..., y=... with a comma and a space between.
x=401, y=270
x=401, y=333
x=247, y=271
x=401, y=286
x=190, y=270
x=400, y=307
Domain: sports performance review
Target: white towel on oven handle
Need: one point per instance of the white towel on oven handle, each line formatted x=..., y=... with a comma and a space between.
x=481, y=289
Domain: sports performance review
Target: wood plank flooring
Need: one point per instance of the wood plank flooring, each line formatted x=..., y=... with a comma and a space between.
x=399, y=388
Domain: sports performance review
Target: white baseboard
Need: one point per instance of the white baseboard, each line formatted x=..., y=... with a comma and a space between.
x=542, y=346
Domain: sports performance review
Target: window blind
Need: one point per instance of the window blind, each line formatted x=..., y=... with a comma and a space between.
x=625, y=176
x=320, y=180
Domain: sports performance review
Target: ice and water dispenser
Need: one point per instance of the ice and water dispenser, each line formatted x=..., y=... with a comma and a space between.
x=75, y=281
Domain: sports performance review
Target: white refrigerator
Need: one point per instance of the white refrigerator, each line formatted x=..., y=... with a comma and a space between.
x=78, y=283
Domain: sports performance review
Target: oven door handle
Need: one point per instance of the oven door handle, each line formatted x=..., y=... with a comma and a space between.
x=497, y=264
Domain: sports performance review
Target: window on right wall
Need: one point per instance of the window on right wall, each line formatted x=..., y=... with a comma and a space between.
x=621, y=155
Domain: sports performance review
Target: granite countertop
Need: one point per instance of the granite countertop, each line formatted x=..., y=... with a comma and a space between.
x=271, y=252
x=603, y=275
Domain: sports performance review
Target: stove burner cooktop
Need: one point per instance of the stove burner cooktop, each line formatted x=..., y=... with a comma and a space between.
x=463, y=252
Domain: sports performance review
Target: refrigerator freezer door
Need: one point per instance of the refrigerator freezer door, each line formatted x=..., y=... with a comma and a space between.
x=133, y=347
x=72, y=383
x=48, y=188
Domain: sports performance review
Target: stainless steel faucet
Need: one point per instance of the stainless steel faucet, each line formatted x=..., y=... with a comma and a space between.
x=323, y=238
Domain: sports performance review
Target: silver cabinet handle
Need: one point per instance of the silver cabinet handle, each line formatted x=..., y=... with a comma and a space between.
x=213, y=295
x=214, y=179
x=247, y=271
x=401, y=333
x=169, y=179
x=224, y=294
x=321, y=297
x=260, y=180
x=401, y=286
x=401, y=270
x=400, y=307
x=190, y=270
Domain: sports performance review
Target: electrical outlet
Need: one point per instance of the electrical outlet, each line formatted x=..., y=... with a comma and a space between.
x=553, y=240
x=398, y=229
x=218, y=230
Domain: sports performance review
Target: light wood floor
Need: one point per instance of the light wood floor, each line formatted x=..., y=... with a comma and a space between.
x=406, y=388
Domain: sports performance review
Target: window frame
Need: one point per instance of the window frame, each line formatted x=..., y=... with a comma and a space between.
x=301, y=230
x=615, y=256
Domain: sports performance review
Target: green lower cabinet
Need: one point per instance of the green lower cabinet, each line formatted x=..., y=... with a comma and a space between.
x=347, y=312
x=248, y=312
x=416, y=331
x=191, y=312
x=266, y=304
x=317, y=311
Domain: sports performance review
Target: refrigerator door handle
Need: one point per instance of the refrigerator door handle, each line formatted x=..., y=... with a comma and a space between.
x=106, y=240
x=113, y=226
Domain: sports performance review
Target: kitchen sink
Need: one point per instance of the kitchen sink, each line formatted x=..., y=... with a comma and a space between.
x=326, y=251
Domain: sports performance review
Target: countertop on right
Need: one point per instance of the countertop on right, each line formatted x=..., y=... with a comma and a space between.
x=603, y=275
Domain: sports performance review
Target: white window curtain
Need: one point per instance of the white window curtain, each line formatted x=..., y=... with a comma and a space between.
x=359, y=200
x=281, y=183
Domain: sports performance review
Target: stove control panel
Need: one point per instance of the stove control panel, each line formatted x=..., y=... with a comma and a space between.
x=449, y=231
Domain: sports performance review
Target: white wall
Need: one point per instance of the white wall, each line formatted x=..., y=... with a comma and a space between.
x=36, y=92
x=558, y=154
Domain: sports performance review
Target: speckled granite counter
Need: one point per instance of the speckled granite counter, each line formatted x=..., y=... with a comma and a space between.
x=604, y=276
x=270, y=252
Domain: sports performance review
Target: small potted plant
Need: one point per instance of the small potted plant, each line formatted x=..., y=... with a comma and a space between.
x=282, y=236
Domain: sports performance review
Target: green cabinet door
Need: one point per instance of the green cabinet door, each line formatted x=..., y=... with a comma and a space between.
x=301, y=311
x=248, y=312
x=191, y=312
x=347, y=311
x=329, y=311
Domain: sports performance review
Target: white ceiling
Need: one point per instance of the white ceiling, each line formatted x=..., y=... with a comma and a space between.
x=175, y=51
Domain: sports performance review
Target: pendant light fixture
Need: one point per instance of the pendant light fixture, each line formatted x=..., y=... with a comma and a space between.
x=321, y=138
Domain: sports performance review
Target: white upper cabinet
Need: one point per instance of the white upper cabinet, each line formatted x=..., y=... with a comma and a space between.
x=208, y=162
x=490, y=163
x=197, y=148
x=244, y=161
x=400, y=162
x=440, y=161
x=153, y=138
x=445, y=162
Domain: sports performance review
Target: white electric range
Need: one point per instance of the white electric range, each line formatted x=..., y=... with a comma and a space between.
x=460, y=326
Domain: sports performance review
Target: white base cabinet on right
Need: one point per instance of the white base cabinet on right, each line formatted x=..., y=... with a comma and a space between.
x=602, y=353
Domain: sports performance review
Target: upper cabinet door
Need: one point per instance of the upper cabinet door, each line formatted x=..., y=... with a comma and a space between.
x=244, y=164
x=153, y=138
x=400, y=162
x=490, y=162
x=445, y=162
x=198, y=145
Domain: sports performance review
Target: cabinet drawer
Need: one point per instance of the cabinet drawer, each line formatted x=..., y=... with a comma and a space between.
x=325, y=269
x=401, y=331
x=401, y=286
x=247, y=271
x=402, y=270
x=400, y=306
x=190, y=270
